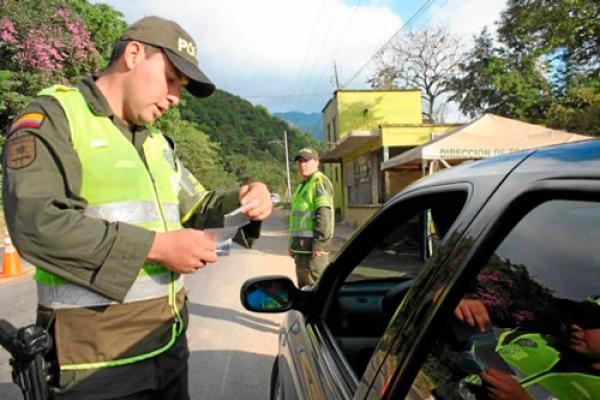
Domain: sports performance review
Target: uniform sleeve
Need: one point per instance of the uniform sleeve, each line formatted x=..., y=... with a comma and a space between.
x=324, y=217
x=201, y=208
x=44, y=209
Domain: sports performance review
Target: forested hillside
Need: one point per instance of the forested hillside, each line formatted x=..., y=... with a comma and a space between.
x=251, y=139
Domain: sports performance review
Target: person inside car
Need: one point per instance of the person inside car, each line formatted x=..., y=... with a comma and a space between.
x=563, y=362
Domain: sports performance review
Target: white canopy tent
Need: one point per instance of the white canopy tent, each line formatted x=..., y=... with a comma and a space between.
x=484, y=137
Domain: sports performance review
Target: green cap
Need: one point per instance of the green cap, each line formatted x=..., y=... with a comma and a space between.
x=177, y=45
x=307, y=154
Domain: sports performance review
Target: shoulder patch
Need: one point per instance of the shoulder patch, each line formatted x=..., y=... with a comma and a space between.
x=20, y=151
x=29, y=120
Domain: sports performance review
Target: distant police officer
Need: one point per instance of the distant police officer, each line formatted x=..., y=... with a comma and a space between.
x=311, y=219
x=97, y=200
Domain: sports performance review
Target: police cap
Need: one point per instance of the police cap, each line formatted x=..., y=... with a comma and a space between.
x=177, y=45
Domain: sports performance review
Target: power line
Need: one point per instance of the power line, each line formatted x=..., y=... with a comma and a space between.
x=337, y=45
x=293, y=95
x=308, y=46
x=269, y=96
x=435, y=10
x=335, y=15
x=416, y=15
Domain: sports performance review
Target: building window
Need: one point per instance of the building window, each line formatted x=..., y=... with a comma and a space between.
x=334, y=138
x=359, y=176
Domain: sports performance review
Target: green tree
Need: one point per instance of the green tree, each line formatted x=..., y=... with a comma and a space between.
x=544, y=68
x=197, y=152
x=104, y=23
x=568, y=30
x=577, y=111
x=248, y=136
x=494, y=80
x=48, y=42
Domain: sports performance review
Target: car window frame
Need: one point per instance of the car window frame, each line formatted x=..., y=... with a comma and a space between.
x=421, y=198
x=331, y=280
x=512, y=207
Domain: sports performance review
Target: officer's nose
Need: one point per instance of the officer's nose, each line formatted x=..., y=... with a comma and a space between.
x=174, y=91
x=173, y=99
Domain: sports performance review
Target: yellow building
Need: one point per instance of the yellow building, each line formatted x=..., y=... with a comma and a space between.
x=362, y=129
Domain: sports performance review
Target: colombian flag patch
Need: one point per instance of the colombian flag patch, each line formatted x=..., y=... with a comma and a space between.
x=29, y=120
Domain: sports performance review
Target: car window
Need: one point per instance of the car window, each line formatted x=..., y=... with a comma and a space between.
x=529, y=325
x=397, y=247
x=405, y=249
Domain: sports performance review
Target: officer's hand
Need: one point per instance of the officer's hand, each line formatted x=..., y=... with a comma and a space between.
x=317, y=253
x=474, y=313
x=183, y=251
x=501, y=386
x=256, y=201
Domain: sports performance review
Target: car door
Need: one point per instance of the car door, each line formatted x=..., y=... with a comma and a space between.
x=327, y=349
x=527, y=272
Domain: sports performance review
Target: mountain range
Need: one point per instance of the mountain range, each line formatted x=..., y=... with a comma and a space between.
x=311, y=123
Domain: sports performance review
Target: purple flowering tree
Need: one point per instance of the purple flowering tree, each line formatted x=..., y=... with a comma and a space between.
x=40, y=46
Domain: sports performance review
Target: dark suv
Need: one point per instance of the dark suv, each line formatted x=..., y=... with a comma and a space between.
x=481, y=281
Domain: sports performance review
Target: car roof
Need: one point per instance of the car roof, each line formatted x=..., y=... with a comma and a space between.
x=572, y=159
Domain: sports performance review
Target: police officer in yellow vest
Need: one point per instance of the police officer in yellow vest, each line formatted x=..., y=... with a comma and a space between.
x=96, y=198
x=311, y=219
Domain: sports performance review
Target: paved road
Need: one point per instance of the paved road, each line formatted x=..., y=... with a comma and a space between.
x=232, y=349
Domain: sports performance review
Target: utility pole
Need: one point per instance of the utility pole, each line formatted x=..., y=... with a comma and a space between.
x=288, y=194
x=287, y=167
x=335, y=75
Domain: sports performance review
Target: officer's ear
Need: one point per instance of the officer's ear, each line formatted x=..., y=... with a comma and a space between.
x=133, y=54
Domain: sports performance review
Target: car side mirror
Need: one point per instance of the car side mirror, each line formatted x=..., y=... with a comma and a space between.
x=268, y=294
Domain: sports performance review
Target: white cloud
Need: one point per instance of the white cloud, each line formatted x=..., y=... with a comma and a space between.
x=467, y=17
x=283, y=47
x=276, y=47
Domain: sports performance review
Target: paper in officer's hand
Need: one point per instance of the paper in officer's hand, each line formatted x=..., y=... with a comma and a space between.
x=231, y=223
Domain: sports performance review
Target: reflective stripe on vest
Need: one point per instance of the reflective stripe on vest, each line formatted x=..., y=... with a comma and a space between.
x=133, y=212
x=69, y=295
x=119, y=187
x=304, y=234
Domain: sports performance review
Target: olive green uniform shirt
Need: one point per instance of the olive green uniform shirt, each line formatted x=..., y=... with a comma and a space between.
x=44, y=208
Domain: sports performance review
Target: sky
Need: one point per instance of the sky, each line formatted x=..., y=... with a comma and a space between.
x=281, y=53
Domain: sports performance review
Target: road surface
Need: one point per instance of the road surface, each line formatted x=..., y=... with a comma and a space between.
x=232, y=349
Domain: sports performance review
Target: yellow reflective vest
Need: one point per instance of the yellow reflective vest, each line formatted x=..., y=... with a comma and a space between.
x=118, y=186
x=308, y=197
